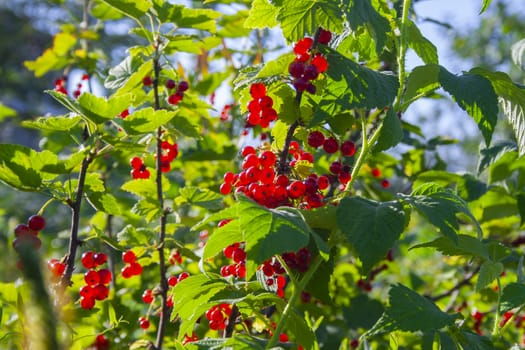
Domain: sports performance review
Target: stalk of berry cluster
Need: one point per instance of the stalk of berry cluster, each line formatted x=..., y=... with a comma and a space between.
x=163, y=289
x=75, y=205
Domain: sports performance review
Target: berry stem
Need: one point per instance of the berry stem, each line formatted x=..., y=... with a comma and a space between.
x=163, y=290
x=496, y=329
x=294, y=298
x=283, y=163
x=65, y=281
x=403, y=45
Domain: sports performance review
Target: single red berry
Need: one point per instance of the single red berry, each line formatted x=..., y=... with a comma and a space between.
x=300, y=84
x=238, y=255
x=170, y=84
x=376, y=172
x=385, y=183
x=56, y=267
x=183, y=86
x=88, y=260
x=24, y=230
x=87, y=303
x=296, y=69
x=324, y=37
x=344, y=177
x=124, y=113
x=86, y=292
x=283, y=338
x=136, y=162
x=36, y=223
x=302, y=46
x=147, y=296
x=348, y=148
x=267, y=159
x=336, y=168
x=183, y=276
x=323, y=182
x=296, y=189
x=257, y=90
x=311, y=88
x=100, y=292
x=330, y=145
x=143, y=322
x=321, y=63
x=128, y=257
x=228, y=177
x=136, y=268
x=225, y=188
x=172, y=281
x=105, y=276
x=354, y=343
x=315, y=139
x=174, y=99
x=147, y=81
x=311, y=72
x=101, y=342
x=85, y=76
x=100, y=258
x=92, y=278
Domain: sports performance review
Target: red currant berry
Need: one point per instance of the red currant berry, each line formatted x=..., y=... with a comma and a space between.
x=100, y=258
x=22, y=230
x=330, y=145
x=257, y=90
x=296, y=189
x=348, y=148
x=147, y=296
x=36, y=223
x=105, y=276
x=135, y=268
x=385, y=183
x=136, y=162
x=56, y=267
x=321, y=63
x=238, y=255
x=170, y=84
x=376, y=172
x=86, y=291
x=183, y=86
x=302, y=46
x=225, y=188
x=296, y=69
x=324, y=37
x=172, y=281
x=311, y=72
x=147, y=81
x=88, y=260
x=143, y=322
x=300, y=84
x=129, y=257
x=92, y=278
x=315, y=139
x=267, y=159
x=100, y=292
x=87, y=303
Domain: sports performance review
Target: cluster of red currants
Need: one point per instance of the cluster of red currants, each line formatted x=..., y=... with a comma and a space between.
x=174, y=97
x=100, y=343
x=97, y=280
x=132, y=267
x=60, y=85
x=272, y=273
x=259, y=181
x=238, y=255
x=27, y=234
x=308, y=64
x=218, y=316
x=169, y=151
x=260, y=107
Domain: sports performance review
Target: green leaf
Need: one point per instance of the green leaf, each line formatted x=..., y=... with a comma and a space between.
x=300, y=329
x=145, y=120
x=513, y=296
x=440, y=207
x=520, y=199
x=104, y=202
x=363, y=312
x=143, y=187
x=132, y=8
x=518, y=54
x=489, y=271
x=410, y=312
x=362, y=14
x=63, y=123
x=371, y=227
x=475, y=94
x=486, y=4
x=201, y=197
x=470, y=188
x=512, y=101
x=422, y=81
x=221, y=238
x=299, y=18
x=6, y=112
x=391, y=132
x=421, y=45
x=54, y=58
x=440, y=177
x=366, y=88
x=262, y=15
x=279, y=131
x=187, y=17
x=128, y=74
x=465, y=245
x=494, y=153
x=100, y=109
x=147, y=208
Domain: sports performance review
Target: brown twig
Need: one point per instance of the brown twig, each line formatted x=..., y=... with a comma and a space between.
x=463, y=282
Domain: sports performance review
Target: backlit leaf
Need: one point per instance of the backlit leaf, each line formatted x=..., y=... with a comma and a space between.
x=262, y=15
x=132, y=8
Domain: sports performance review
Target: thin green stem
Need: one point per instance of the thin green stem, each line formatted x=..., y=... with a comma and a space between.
x=403, y=46
x=296, y=294
x=495, y=330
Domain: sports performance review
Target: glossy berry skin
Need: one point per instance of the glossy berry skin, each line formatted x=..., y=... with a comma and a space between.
x=129, y=257
x=170, y=84
x=324, y=37
x=100, y=258
x=348, y=148
x=36, y=223
x=24, y=230
x=147, y=296
x=330, y=145
x=376, y=172
x=87, y=303
x=315, y=139
x=91, y=278
x=183, y=86
x=143, y=322
x=147, y=81
x=88, y=260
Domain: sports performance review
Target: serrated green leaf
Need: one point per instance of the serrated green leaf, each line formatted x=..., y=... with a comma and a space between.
x=128, y=74
x=6, y=112
x=485, y=5
x=144, y=187
x=132, y=8
x=440, y=177
x=473, y=341
x=62, y=123
x=391, y=132
x=513, y=296
x=302, y=332
x=421, y=81
x=410, y=312
x=145, y=120
x=470, y=188
x=465, y=245
x=102, y=109
x=440, y=207
x=475, y=94
x=366, y=88
x=512, y=100
x=201, y=197
x=104, y=202
x=221, y=238
x=371, y=227
x=54, y=58
x=362, y=14
x=489, y=271
x=262, y=15
x=494, y=153
x=279, y=131
x=518, y=54
x=300, y=18
x=421, y=45
x=147, y=208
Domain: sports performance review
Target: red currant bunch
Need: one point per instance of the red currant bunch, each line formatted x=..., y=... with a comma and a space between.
x=56, y=267
x=260, y=107
x=170, y=151
x=27, y=234
x=138, y=168
x=271, y=273
x=100, y=343
x=307, y=65
x=175, y=257
x=97, y=280
x=236, y=253
x=218, y=316
x=178, y=95
x=60, y=85
x=132, y=267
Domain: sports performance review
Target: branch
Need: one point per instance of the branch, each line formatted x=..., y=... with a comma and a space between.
x=465, y=281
